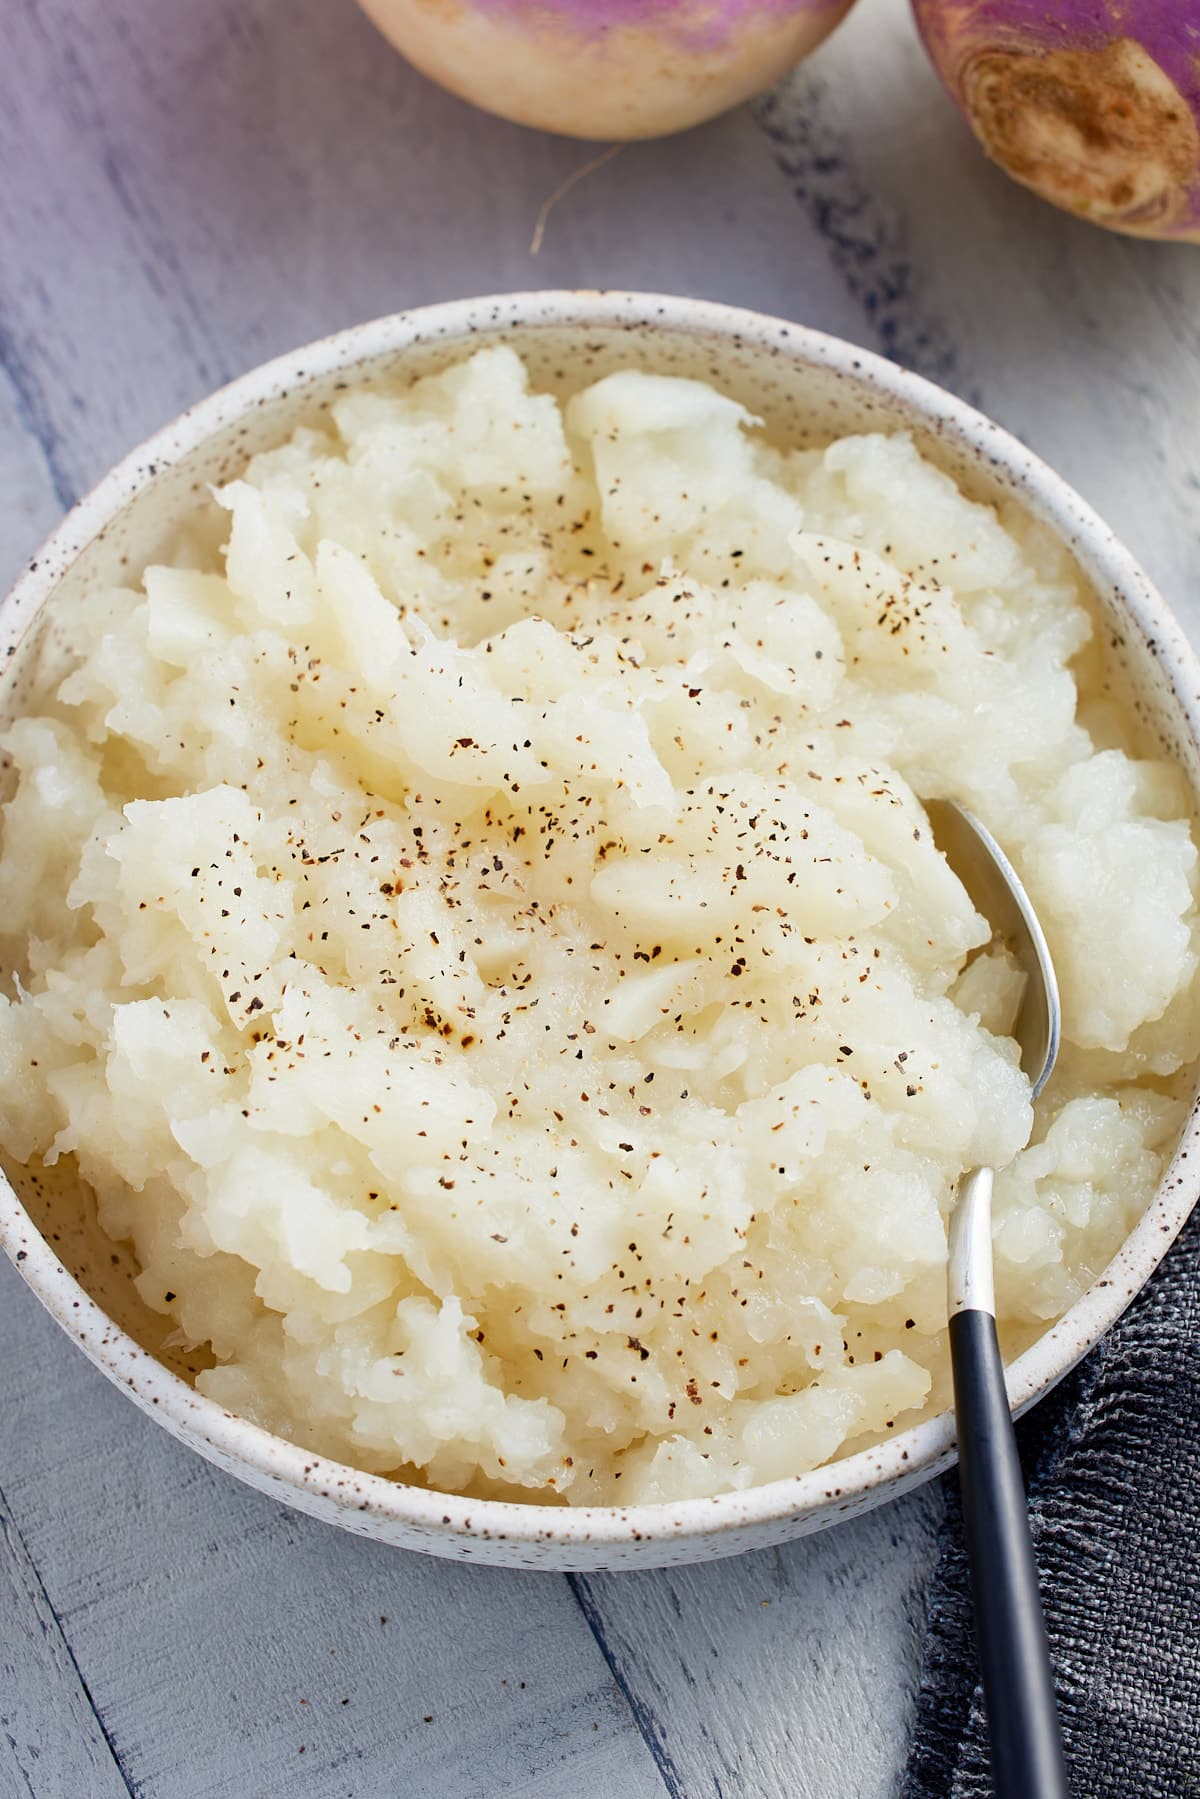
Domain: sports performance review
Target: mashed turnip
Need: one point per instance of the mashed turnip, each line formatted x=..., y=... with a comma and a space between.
x=479, y=936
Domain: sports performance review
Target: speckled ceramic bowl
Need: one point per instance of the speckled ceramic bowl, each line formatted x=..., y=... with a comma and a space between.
x=809, y=388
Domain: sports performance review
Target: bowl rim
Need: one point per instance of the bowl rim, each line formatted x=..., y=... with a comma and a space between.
x=852, y=1482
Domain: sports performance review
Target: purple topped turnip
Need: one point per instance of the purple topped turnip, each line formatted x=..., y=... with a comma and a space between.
x=1095, y=104
x=606, y=68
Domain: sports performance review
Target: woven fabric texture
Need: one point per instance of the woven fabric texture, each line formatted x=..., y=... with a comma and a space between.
x=1112, y=1462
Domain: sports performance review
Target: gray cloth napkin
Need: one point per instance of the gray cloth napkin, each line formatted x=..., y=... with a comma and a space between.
x=1112, y=1462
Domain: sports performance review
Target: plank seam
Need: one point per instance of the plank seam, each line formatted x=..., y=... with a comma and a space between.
x=9, y=1524
x=643, y=1717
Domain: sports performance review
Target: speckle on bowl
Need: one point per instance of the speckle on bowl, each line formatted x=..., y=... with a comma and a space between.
x=808, y=388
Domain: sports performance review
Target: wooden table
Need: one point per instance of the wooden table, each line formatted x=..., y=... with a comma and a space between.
x=188, y=188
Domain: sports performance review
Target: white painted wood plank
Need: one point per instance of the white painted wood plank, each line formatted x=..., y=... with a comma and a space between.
x=233, y=1647
x=38, y=1676
x=195, y=189
x=786, y=1673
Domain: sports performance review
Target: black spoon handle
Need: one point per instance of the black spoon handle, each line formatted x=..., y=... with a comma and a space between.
x=1026, y=1743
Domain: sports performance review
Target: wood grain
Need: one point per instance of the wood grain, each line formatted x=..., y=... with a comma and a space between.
x=787, y=1672
x=39, y=1676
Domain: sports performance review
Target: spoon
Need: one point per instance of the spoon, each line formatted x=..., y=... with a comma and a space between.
x=1018, y=1685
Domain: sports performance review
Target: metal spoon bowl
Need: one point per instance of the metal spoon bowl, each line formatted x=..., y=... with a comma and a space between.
x=994, y=888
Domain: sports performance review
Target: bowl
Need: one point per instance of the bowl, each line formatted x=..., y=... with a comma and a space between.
x=808, y=387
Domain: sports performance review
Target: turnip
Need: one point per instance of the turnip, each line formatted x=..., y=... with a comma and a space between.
x=1095, y=104
x=606, y=68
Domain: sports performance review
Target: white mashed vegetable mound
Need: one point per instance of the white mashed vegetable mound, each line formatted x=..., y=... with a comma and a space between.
x=471, y=917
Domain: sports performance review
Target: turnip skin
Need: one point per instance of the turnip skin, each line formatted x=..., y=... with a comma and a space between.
x=1094, y=104
x=606, y=69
